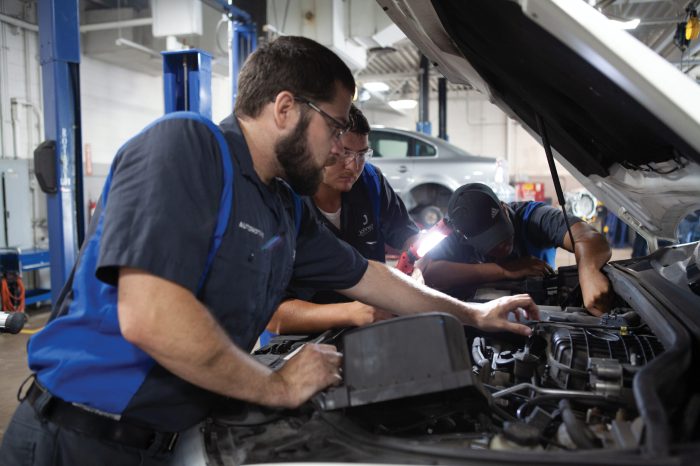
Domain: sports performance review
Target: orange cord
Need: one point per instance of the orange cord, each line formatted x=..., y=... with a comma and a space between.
x=9, y=300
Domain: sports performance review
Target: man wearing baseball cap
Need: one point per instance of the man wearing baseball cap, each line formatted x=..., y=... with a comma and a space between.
x=493, y=241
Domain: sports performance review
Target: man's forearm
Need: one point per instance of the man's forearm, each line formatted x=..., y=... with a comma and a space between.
x=297, y=316
x=592, y=250
x=397, y=293
x=182, y=336
x=390, y=289
x=592, y=253
x=443, y=275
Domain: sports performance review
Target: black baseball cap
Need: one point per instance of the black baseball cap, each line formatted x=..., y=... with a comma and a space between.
x=474, y=213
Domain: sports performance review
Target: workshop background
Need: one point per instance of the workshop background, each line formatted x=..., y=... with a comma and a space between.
x=121, y=90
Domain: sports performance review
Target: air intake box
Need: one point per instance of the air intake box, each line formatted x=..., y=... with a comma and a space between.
x=399, y=358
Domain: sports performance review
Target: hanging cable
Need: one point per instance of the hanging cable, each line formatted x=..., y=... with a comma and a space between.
x=13, y=294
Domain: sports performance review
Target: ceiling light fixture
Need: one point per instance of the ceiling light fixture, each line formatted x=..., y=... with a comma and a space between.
x=403, y=104
x=628, y=25
x=376, y=86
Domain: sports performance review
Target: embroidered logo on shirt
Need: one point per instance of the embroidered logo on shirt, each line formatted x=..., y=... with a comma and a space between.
x=494, y=212
x=365, y=230
x=251, y=229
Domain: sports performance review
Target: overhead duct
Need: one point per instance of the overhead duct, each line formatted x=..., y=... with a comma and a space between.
x=349, y=28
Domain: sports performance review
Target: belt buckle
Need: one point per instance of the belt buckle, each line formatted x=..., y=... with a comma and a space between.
x=164, y=442
x=21, y=397
x=173, y=441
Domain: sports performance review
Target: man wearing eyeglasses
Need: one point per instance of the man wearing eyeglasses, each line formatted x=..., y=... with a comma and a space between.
x=358, y=205
x=194, y=242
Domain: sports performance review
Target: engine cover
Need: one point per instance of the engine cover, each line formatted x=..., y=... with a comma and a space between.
x=402, y=357
x=573, y=352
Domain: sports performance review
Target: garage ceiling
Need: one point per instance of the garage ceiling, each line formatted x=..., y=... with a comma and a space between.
x=397, y=65
x=658, y=20
x=657, y=27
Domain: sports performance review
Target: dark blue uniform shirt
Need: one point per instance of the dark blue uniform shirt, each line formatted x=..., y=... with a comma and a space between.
x=360, y=228
x=545, y=228
x=159, y=217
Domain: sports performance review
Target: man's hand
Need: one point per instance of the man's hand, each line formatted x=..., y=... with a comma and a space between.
x=493, y=316
x=314, y=368
x=592, y=253
x=596, y=291
x=525, y=267
x=363, y=314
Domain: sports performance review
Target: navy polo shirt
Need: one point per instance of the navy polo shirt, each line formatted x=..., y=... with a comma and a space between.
x=160, y=216
x=360, y=229
x=545, y=228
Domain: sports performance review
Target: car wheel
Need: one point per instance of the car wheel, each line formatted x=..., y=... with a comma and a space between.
x=429, y=216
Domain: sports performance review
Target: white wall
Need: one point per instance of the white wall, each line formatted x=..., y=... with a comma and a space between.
x=118, y=103
x=20, y=79
x=115, y=105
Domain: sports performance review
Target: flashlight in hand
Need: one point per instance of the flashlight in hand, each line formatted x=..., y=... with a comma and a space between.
x=422, y=246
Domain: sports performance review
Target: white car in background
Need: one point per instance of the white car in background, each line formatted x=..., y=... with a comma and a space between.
x=425, y=171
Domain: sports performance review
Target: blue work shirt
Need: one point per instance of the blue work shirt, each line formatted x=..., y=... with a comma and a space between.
x=160, y=215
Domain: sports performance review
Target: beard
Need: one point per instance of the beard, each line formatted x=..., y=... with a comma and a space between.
x=297, y=162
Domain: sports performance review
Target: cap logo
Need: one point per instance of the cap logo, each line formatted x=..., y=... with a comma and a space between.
x=494, y=212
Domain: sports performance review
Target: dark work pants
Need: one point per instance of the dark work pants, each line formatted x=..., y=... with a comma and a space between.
x=30, y=440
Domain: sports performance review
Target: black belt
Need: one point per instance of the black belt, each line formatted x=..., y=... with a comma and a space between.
x=95, y=425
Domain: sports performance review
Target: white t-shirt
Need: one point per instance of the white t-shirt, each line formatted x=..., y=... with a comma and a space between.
x=333, y=217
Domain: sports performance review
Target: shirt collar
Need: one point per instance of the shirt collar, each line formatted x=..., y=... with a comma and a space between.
x=233, y=133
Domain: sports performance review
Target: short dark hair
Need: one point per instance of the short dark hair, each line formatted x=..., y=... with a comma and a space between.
x=358, y=121
x=295, y=64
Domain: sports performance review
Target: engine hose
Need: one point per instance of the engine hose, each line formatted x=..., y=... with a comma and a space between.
x=479, y=358
x=579, y=432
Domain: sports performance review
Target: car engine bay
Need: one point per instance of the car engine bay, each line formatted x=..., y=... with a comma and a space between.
x=424, y=388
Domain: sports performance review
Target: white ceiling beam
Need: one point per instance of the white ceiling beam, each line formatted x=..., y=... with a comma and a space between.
x=127, y=23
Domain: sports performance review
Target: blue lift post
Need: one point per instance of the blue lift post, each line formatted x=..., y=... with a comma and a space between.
x=243, y=37
x=244, y=41
x=423, y=125
x=187, y=81
x=59, y=39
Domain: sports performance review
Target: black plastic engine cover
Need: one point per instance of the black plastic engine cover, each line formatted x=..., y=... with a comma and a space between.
x=402, y=357
x=571, y=349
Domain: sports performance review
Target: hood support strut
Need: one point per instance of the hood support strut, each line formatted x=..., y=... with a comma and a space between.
x=555, y=176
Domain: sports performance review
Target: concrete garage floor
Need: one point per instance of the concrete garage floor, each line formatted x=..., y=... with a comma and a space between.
x=13, y=363
x=13, y=348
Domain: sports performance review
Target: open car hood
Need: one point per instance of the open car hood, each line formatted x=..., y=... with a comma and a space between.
x=621, y=119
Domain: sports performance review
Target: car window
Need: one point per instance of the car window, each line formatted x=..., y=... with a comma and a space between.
x=399, y=146
x=423, y=149
x=389, y=145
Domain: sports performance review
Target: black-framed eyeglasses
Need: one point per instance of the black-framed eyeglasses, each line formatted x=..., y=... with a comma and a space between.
x=339, y=128
x=357, y=157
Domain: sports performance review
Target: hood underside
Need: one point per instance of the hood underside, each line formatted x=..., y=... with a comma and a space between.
x=620, y=118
